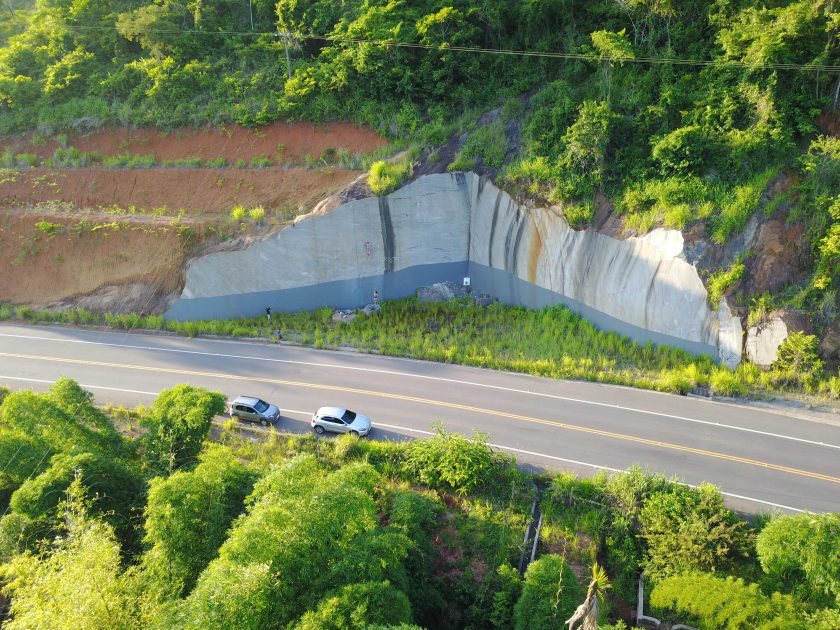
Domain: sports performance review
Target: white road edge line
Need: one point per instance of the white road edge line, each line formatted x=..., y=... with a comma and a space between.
x=391, y=426
x=113, y=389
x=437, y=378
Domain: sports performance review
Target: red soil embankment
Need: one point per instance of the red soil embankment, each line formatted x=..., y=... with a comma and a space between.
x=38, y=268
x=233, y=143
x=205, y=191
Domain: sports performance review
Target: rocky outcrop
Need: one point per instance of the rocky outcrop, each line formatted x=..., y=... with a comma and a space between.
x=442, y=291
x=763, y=341
x=445, y=227
x=730, y=336
x=829, y=349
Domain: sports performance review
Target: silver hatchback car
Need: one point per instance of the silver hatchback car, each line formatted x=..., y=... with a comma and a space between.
x=253, y=409
x=340, y=420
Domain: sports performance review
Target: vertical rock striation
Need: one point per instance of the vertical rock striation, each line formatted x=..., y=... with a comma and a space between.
x=447, y=226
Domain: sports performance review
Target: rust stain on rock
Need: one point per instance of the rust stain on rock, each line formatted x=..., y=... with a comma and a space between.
x=534, y=257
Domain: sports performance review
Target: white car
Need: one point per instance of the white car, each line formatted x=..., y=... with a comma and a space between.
x=340, y=420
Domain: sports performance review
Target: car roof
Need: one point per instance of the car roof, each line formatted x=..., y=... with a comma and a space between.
x=246, y=400
x=336, y=412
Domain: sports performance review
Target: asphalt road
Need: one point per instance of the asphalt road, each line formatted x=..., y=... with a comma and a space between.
x=760, y=459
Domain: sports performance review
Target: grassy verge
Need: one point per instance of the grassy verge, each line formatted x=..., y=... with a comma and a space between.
x=553, y=343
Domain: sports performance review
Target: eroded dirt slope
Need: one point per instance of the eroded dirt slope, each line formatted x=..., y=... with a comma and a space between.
x=66, y=233
x=233, y=143
x=204, y=191
x=66, y=256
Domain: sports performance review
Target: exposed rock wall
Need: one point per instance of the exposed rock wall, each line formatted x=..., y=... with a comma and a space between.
x=445, y=226
x=641, y=281
x=763, y=344
x=417, y=235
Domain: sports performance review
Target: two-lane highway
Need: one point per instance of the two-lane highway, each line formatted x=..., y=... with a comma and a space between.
x=758, y=458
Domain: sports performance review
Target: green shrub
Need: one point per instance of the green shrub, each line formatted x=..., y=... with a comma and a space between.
x=720, y=603
x=261, y=161
x=448, y=459
x=257, y=214
x=128, y=161
x=113, y=486
x=579, y=215
x=462, y=162
x=26, y=159
x=357, y=607
x=726, y=383
x=386, y=177
x=720, y=281
x=190, y=162
x=177, y=423
x=550, y=595
x=488, y=142
x=238, y=213
x=681, y=152
x=188, y=516
x=803, y=550
x=797, y=357
x=689, y=529
x=219, y=162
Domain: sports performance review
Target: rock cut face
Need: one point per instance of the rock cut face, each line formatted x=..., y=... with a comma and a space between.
x=445, y=227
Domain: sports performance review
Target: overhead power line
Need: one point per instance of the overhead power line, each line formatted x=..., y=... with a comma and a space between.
x=494, y=51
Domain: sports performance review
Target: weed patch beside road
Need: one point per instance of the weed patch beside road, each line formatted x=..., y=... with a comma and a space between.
x=553, y=342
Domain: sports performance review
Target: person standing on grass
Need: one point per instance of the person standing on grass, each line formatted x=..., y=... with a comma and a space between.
x=268, y=312
x=279, y=336
x=375, y=297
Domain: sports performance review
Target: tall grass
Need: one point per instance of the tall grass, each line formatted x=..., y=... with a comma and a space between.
x=553, y=343
x=386, y=177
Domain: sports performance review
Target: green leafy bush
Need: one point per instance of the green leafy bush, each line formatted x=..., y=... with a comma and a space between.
x=488, y=142
x=77, y=585
x=462, y=162
x=681, y=152
x=386, y=177
x=720, y=281
x=550, y=595
x=299, y=528
x=356, y=607
x=188, y=516
x=804, y=549
x=177, y=422
x=579, y=215
x=448, y=459
x=725, y=603
x=689, y=529
x=257, y=214
x=797, y=357
x=111, y=486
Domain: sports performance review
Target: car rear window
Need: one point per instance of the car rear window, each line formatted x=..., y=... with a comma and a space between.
x=348, y=416
x=261, y=406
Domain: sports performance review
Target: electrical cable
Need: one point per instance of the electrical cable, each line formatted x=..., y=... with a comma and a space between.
x=493, y=51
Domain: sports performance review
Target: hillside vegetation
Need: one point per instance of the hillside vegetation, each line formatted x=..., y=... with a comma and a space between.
x=167, y=530
x=678, y=110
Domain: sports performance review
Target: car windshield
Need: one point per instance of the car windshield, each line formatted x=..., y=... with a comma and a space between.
x=261, y=406
x=348, y=416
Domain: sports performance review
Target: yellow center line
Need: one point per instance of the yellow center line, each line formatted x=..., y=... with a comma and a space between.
x=427, y=401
